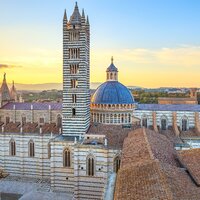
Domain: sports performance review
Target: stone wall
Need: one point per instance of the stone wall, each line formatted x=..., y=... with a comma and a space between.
x=22, y=164
x=189, y=115
x=31, y=115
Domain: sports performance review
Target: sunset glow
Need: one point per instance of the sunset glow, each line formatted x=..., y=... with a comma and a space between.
x=153, y=43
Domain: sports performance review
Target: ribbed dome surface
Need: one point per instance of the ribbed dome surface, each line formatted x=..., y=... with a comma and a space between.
x=112, y=92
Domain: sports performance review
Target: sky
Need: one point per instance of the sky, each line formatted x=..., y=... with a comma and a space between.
x=155, y=43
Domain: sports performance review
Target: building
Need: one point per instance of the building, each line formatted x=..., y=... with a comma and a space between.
x=78, y=145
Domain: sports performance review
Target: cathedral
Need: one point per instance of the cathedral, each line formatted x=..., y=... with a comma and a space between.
x=77, y=144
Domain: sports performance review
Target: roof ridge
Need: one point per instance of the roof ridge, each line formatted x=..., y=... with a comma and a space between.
x=165, y=183
x=148, y=145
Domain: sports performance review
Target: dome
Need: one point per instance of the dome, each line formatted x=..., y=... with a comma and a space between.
x=112, y=92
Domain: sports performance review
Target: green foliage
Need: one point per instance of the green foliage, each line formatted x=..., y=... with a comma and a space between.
x=152, y=97
x=46, y=95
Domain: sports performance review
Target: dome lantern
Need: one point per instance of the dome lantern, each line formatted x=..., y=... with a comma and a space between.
x=112, y=72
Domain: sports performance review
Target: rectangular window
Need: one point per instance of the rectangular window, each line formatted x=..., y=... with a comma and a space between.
x=74, y=69
x=74, y=98
x=74, y=83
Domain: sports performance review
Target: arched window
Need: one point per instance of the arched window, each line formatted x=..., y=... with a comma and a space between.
x=49, y=150
x=23, y=120
x=129, y=118
x=111, y=119
x=31, y=149
x=117, y=162
x=144, y=122
x=111, y=76
x=115, y=119
x=73, y=111
x=163, y=123
x=59, y=121
x=12, y=148
x=184, y=124
x=90, y=166
x=66, y=158
x=7, y=120
x=122, y=118
x=115, y=76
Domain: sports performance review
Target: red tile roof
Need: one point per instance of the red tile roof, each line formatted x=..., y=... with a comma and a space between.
x=190, y=159
x=149, y=170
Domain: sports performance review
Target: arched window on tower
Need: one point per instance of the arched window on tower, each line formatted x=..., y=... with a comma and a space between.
x=31, y=149
x=116, y=163
x=49, y=150
x=115, y=76
x=73, y=112
x=59, y=121
x=66, y=158
x=12, y=148
x=90, y=166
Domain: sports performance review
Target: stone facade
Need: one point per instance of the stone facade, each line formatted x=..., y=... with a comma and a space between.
x=76, y=74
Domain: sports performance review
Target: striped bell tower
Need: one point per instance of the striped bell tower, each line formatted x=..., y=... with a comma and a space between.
x=76, y=74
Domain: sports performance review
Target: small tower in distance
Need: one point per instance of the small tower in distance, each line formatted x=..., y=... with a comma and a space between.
x=112, y=72
x=13, y=93
x=5, y=93
x=76, y=74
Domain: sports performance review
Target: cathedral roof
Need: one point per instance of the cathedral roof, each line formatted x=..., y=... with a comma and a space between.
x=112, y=92
x=169, y=107
x=76, y=17
x=36, y=106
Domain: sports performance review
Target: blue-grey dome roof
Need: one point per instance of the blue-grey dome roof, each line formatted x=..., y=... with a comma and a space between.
x=112, y=92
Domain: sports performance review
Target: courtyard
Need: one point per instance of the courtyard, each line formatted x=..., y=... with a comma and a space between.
x=22, y=188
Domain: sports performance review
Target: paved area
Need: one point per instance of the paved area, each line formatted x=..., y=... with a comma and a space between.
x=29, y=188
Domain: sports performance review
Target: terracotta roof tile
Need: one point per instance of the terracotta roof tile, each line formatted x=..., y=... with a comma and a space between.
x=190, y=159
x=149, y=169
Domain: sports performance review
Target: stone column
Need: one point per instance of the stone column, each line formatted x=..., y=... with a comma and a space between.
x=197, y=123
x=49, y=114
x=174, y=122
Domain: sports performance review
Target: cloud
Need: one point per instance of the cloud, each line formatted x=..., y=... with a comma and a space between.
x=8, y=66
x=182, y=56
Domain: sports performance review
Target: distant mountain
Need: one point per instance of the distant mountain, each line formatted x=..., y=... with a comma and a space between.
x=38, y=87
x=46, y=86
